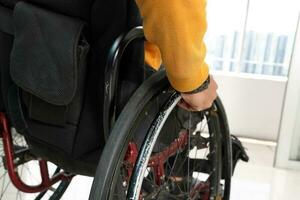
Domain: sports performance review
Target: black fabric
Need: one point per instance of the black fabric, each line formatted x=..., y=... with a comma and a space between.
x=75, y=107
x=74, y=8
x=46, y=112
x=44, y=57
x=77, y=145
x=8, y=3
x=6, y=24
x=85, y=165
x=6, y=42
x=58, y=137
x=109, y=19
x=14, y=109
x=60, y=115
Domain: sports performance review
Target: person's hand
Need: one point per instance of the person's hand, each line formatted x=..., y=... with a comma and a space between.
x=201, y=100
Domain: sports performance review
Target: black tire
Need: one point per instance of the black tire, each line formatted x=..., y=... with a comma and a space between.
x=226, y=148
x=109, y=179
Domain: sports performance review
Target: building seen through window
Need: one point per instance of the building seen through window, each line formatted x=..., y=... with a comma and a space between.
x=251, y=36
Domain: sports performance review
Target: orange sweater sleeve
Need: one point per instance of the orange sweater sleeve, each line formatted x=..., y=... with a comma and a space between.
x=177, y=27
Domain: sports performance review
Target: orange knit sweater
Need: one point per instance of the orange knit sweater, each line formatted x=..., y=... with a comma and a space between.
x=175, y=30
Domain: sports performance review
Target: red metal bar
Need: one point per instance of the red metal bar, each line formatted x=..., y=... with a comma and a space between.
x=203, y=188
x=44, y=172
x=161, y=157
x=130, y=158
x=12, y=169
x=159, y=173
x=158, y=160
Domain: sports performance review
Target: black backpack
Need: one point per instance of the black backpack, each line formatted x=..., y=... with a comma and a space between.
x=53, y=57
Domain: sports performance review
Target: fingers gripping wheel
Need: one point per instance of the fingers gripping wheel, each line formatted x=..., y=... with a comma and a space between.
x=162, y=151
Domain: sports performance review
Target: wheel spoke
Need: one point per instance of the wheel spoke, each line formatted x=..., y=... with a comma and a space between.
x=187, y=169
x=5, y=189
x=27, y=171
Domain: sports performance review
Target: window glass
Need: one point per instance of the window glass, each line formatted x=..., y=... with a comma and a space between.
x=251, y=36
x=224, y=35
x=269, y=37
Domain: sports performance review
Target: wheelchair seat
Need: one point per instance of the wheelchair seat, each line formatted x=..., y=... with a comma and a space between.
x=53, y=62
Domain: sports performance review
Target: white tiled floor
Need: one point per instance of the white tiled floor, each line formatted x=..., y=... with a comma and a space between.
x=256, y=180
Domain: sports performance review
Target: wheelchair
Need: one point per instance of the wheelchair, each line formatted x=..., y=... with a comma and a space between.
x=91, y=107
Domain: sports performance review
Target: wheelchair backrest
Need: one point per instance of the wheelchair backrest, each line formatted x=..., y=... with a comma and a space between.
x=53, y=56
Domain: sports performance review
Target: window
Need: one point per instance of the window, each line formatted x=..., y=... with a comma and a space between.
x=251, y=36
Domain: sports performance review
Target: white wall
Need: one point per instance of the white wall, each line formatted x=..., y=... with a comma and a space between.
x=288, y=144
x=253, y=104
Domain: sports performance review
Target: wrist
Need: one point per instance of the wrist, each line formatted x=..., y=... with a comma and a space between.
x=201, y=88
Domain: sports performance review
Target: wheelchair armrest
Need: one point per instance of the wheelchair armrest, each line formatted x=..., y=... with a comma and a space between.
x=111, y=75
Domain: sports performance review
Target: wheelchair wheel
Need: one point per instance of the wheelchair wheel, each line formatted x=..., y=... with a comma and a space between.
x=157, y=150
x=27, y=166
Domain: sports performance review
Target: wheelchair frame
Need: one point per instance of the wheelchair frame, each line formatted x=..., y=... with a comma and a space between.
x=12, y=163
x=109, y=117
x=112, y=73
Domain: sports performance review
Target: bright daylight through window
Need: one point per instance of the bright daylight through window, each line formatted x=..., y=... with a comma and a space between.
x=251, y=36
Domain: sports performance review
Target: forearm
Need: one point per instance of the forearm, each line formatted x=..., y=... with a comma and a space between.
x=177, y=27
